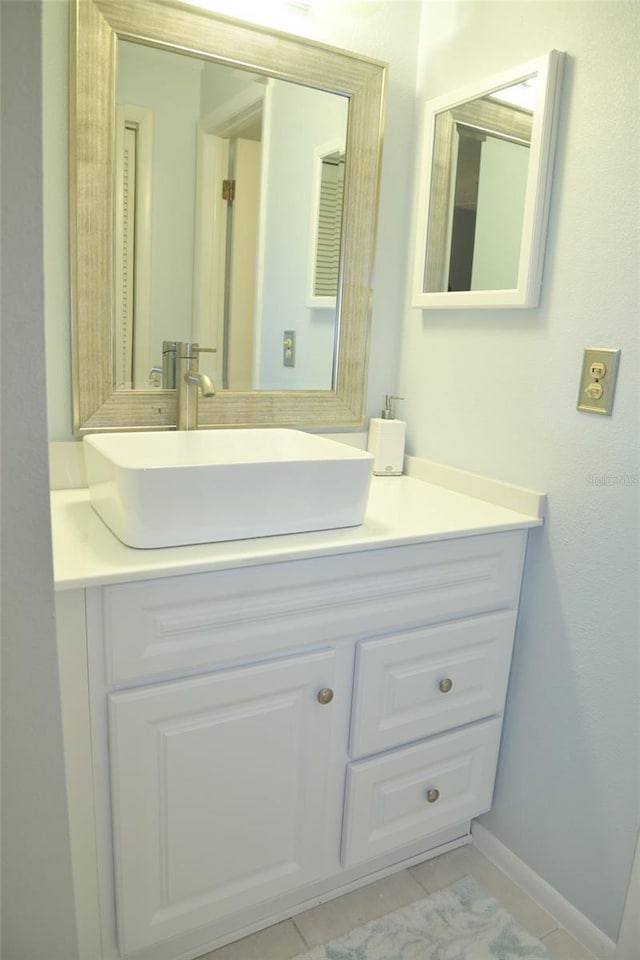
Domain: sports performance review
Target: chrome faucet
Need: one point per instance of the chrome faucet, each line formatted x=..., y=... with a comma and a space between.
x=190, y=382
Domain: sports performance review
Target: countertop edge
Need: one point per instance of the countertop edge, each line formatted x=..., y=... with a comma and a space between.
x=87, y=554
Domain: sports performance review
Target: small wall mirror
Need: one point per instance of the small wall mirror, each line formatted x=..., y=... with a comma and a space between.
x=224, y=186
x=484, y=177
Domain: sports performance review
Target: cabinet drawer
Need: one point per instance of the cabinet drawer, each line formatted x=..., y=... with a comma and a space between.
x=413, y=685
x=183, y=624
x=411, y=793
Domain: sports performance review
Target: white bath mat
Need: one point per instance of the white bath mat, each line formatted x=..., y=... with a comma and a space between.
x=461, y=922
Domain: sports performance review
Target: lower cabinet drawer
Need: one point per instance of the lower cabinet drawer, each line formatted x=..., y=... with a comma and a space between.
x=408, y=794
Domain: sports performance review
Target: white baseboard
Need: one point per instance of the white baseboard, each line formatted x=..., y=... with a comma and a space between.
x=629, y=937
x=567, y=916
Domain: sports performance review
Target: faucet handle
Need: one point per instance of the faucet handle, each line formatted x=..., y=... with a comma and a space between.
x=188, y=351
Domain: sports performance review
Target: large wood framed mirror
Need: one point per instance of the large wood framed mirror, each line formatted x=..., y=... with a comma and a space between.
x=484, y=180
x=166, y=100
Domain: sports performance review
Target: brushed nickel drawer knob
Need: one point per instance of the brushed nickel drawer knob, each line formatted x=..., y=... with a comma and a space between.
x=325, y=695
x=432, y=795
x=445, y=685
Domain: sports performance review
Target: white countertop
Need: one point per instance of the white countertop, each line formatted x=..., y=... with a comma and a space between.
x=401, y=510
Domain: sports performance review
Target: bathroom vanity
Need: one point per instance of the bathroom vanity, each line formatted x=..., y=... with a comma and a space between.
x=253, y=727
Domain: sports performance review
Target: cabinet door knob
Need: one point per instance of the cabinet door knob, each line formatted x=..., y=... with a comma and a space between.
x=445, y=685
x=325, y=695
x=432, y=795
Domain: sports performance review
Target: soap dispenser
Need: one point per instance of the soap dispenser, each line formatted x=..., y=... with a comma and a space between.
x=386, y=441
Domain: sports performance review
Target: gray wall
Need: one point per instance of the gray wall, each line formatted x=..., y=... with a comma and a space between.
x=37, y=907
x=495, y=392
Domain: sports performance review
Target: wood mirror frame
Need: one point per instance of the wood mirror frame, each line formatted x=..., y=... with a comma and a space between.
x=95, y=27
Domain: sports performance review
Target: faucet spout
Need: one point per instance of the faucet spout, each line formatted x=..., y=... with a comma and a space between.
x=201, y=380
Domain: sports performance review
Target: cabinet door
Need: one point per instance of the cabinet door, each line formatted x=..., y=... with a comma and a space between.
x=218, y=793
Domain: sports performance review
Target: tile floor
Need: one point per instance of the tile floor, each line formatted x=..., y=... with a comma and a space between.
x=320, y=924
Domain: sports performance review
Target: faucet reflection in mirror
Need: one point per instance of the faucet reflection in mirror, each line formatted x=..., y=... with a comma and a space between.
x=487, y=157
x=264, y=393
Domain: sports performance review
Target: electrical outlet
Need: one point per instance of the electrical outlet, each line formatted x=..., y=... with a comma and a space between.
x=598, y=380
x=289, y=348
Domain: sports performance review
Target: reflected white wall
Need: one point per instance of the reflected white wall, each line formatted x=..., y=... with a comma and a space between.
x=501, y=191
x=290, y=155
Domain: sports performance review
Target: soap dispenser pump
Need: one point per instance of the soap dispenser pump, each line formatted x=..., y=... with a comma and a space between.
x=387, y=411
x=386, y=441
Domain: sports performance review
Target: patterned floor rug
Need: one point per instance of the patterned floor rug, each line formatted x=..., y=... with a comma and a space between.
x=461, y=922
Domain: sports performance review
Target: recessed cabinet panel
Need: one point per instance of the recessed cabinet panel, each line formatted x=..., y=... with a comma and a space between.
x=218, y=793
x=399, y=797
x=412, y=685
x=182, y=624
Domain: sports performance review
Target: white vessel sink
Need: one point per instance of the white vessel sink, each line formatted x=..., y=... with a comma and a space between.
x=180, y=487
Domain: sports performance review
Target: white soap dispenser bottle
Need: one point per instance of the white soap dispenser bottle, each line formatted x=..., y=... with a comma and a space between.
x=386, y=441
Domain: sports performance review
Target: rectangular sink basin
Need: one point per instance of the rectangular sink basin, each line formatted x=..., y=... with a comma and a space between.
x=180, y=487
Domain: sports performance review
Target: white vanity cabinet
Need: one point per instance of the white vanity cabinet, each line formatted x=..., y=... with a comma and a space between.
x=268, y=736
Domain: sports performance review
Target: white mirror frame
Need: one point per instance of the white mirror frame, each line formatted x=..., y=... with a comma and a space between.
x=94, y=29
x=538, y=188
